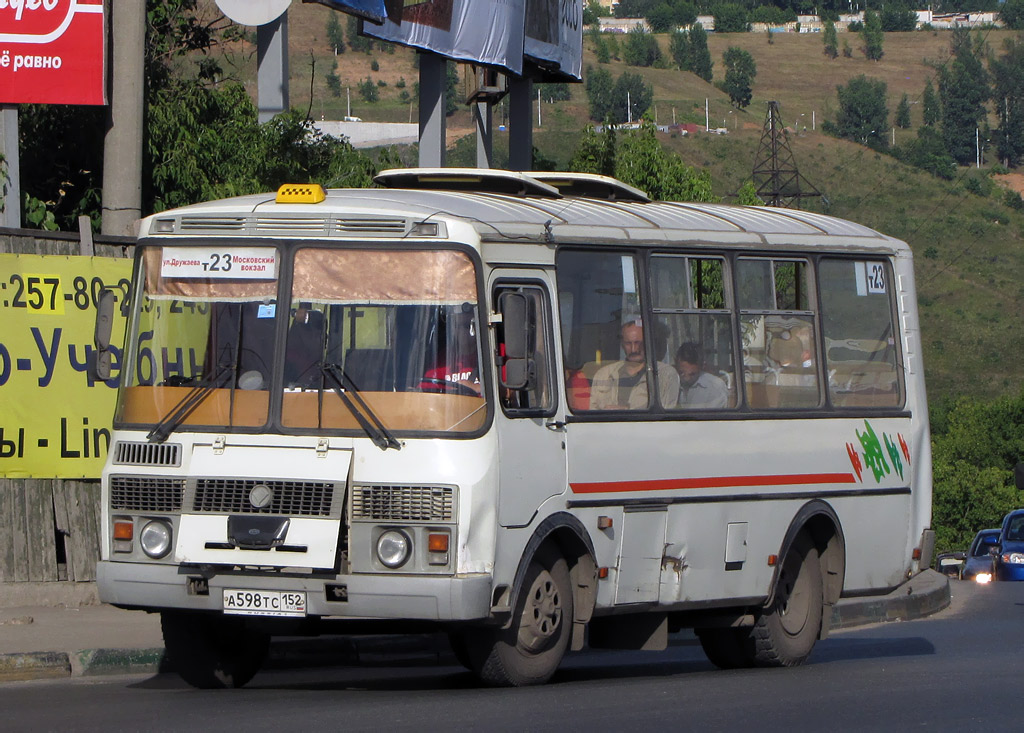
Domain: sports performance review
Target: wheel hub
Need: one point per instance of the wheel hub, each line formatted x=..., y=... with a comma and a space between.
x=542, y=614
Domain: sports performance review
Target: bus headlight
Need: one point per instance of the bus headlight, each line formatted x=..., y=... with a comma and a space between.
x=393, y=548
x=155, y=539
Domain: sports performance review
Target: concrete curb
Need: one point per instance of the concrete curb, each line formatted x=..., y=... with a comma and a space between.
x=924, y=594
x=921, y=596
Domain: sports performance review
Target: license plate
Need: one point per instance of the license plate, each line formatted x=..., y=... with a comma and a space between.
x=264, y=602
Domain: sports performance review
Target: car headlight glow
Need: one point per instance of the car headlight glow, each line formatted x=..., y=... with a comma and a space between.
x=983, y=578
x=155, y=539
x=394, y=548
x=1014, y=558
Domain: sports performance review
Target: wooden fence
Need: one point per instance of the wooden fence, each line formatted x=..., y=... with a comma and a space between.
x=49, y=528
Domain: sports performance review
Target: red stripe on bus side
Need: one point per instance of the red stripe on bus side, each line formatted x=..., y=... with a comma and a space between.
x=713, y=482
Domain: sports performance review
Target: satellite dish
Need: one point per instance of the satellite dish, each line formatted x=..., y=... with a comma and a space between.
x=253, y=12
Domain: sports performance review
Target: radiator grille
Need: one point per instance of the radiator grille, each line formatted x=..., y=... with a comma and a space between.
x=371, y=226
x=404, y=503
x=128, y=453
x=290, y=224
x=295, y=498
x=225, y=223
x=146, y=493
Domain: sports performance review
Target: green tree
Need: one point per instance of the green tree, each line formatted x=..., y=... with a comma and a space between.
x=730, y=18
x=747, y=195
x=641, y=48
x=662, y=18
x=963, y=91
x=679, y=49
x=368, y=90
x=335, y=35
x=596, y=152
x=931, y=108
x=831, y=40
x=1008, y=86
x=592, y=12
x=928, y=153
x=358, y=43
x=903, y=113
x=863, y=115
x=896, y=17
x=740, y=71
x=872, y=36
x=1012, y=14
x=974, y=448
x=700, y=56
x=631, y=97
x=334, y=81
x=599, y=84
x=642, y=162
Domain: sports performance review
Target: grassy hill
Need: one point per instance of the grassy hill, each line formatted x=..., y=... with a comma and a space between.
x=967, y=242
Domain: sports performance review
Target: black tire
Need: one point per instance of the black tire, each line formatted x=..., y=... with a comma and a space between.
x=210, y=651
x=530, y=650
x=727, y=648
x=460, y=643
x=784, y=634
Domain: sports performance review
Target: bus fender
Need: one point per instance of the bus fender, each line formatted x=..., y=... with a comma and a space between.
x=569, y=537
x=819, y=520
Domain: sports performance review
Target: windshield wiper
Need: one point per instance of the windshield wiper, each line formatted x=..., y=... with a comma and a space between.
x=187, y=405
x=368, y=421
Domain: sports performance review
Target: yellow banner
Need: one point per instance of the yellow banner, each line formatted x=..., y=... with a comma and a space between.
x=54, y=416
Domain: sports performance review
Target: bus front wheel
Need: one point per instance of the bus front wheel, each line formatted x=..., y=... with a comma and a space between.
x=210, y=651
x=529, y=651
x=785, y=632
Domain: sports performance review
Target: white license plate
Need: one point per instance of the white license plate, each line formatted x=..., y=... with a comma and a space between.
x=264, y=602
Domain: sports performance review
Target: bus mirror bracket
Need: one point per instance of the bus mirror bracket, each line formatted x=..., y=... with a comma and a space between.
x=101, y=334
x=519, y=369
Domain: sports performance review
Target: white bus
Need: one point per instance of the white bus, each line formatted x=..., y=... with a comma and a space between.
x=534, y=411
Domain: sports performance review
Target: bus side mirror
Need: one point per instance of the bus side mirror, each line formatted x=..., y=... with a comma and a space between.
x=101, y=335
x=519, y=370
x=1018, y=476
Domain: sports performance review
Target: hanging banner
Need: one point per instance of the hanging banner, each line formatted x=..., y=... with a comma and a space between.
x=554, y=38
x=478, y=31
x=54, y=416
x=52, y=52
x=370, y=9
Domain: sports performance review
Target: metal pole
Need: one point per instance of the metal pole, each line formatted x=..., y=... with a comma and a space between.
x=432, y=101
x=10, y=174
x=122, y=144
x=483, y=116
x=520, y=139
x=272, y=67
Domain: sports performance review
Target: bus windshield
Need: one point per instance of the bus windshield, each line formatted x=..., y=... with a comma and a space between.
x=371, y=342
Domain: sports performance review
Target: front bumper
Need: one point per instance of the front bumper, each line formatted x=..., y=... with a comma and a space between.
x=1009, y=571
x=410, y=597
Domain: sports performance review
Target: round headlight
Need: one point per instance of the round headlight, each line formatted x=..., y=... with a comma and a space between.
x=393, y=548
x=156, y=539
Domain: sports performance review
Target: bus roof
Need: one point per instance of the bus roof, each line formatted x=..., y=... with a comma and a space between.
x=505, y=217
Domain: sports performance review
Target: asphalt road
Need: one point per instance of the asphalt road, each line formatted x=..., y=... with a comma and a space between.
x=960, y=670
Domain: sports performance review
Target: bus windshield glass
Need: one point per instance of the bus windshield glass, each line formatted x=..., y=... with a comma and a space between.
x=371, y=341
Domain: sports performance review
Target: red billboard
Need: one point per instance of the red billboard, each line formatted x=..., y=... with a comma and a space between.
x=52, y=52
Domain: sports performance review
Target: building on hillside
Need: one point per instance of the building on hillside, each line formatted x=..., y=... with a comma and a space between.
x=621, y=25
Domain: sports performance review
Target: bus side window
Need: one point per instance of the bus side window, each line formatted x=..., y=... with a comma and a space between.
x=860, y=342
x=777, y=328
x=538, y=397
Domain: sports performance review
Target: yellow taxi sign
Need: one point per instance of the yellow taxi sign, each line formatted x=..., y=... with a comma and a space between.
x=300, y=193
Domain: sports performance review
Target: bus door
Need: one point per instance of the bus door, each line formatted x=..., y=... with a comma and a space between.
x=531, y=421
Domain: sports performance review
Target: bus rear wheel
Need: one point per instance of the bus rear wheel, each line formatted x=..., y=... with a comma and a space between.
x=727, y=648
x=210, y=651
x=529, y=651
x=784, y=634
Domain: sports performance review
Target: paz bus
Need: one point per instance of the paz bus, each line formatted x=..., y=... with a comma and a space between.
x=532, y=411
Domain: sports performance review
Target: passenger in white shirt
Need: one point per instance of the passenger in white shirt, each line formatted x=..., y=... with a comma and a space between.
x=698, y=388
